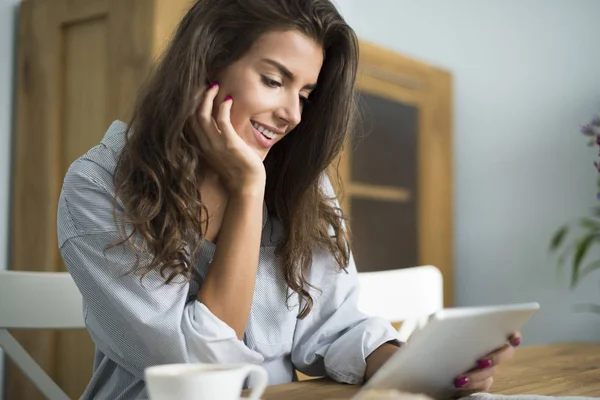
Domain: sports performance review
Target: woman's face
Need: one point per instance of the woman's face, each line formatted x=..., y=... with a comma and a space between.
x=269, y=86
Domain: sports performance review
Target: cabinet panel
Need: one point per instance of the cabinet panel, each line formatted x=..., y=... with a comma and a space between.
x=85, y=75
x=397, y=170
x=384, y=234
x=386, y=152
x=80, y=64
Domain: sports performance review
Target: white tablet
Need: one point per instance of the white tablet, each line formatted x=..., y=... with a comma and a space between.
x=450, y=344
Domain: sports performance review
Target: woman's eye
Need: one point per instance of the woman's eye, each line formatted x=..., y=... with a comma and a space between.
x=304, y=101
x=270, y=82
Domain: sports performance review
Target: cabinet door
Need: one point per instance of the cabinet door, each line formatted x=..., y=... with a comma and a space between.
x=397, y=169
x=80, y=63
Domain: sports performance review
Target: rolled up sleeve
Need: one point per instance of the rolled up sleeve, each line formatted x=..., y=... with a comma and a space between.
x=336, y=338
x=214, y=340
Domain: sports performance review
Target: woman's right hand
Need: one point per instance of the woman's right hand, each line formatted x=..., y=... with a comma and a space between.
x=239, y=167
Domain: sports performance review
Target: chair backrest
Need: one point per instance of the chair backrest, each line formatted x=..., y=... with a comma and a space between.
x=37, y=300
x=407, y=295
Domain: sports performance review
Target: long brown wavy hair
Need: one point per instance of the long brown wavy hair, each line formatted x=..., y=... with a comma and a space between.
x=159, y=173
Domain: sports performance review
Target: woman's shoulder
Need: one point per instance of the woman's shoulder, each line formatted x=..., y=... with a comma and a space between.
x=97, y=166
x=87, y=198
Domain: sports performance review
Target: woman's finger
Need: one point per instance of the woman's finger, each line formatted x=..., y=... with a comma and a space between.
x=499, y=356
x=205, y=112
x=515, y=339
x=480, y=386
x=474, y=379
x=206, y=107
x=224, y=121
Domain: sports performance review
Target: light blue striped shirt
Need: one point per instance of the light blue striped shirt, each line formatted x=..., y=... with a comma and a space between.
x=138, y=324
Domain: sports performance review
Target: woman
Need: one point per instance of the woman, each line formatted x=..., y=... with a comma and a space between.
x=206, y=230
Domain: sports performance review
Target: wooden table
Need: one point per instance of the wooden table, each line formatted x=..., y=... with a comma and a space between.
x=569, y=369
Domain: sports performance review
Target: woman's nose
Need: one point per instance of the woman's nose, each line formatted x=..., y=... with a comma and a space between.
x=291, y=112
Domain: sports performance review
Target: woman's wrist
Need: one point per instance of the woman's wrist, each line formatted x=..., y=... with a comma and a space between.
x=248, y=191
x=379, y=357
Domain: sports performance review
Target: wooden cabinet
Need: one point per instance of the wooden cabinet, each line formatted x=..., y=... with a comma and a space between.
x=80, y=64
x=397, y=168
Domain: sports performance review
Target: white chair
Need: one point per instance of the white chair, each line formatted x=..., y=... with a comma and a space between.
x=407, y=295
x=37, y=300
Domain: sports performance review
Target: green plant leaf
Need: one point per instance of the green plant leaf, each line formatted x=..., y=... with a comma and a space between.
x=590, y=224
x=558, y=237
x=562, y=257
x=589, y=268
x=592, y=308
x=581, y=248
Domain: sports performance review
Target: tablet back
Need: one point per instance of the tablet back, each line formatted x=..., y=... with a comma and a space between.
x=448, y=346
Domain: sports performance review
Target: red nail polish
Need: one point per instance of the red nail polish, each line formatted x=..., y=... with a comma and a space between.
x=213, y=85
x=461, y=382
x=483, y=364
x=516, y=342
x=227, y=98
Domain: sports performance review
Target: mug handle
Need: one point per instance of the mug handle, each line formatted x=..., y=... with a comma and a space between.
x=260, y=380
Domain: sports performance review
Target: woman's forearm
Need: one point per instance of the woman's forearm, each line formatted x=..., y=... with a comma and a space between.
x=377, y=358
x=229, y=285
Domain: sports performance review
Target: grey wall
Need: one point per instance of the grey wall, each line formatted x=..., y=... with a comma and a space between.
x=7, y=27
x=526, y=75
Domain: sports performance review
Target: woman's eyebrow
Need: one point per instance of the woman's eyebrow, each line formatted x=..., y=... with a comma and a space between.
x=286, y=72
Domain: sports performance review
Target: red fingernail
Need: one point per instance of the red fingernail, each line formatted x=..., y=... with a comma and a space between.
x=461, y=382
x=483, y=364
x=516, y=342
x=227, y=98
x=212, y=85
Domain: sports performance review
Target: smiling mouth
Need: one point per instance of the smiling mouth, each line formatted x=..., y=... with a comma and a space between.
x=265, y=132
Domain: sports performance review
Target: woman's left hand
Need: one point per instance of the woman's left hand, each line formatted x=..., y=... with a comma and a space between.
x=480, y=378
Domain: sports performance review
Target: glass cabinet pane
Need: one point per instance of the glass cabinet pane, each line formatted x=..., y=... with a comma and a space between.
x=385, y=151
x=384, y=234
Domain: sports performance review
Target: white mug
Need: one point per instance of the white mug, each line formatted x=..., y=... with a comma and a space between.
x=204, y=381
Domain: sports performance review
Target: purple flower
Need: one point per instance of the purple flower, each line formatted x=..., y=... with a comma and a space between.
x=590, y=130
x=596, y=121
